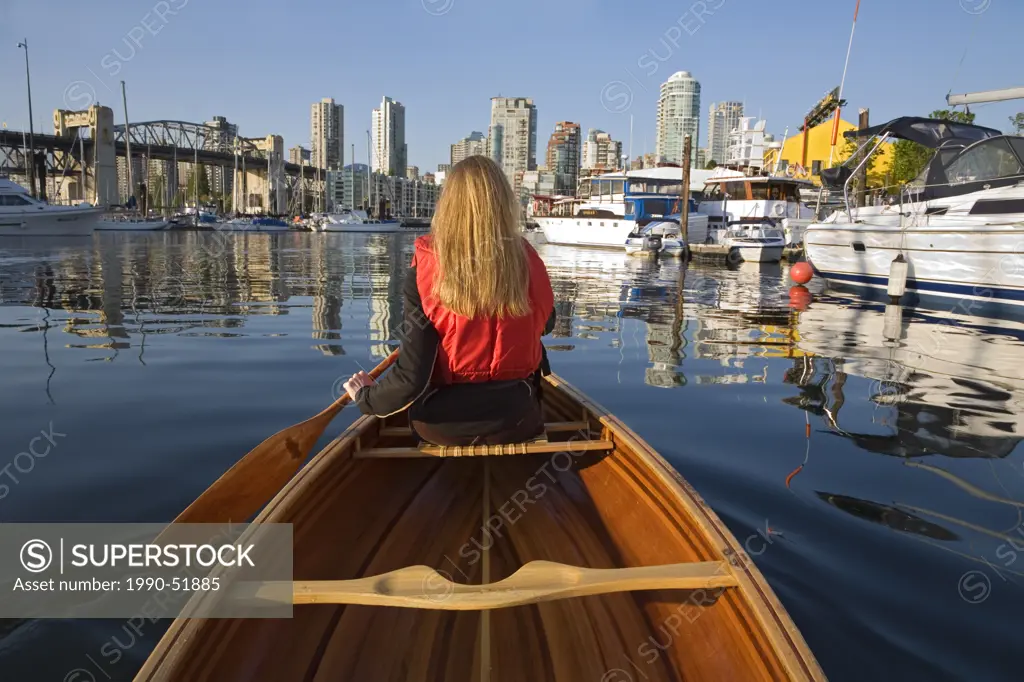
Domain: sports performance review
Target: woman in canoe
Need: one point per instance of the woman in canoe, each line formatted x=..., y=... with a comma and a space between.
x=477, y=301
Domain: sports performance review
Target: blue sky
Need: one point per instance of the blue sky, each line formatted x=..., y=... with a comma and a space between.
x=261, y=63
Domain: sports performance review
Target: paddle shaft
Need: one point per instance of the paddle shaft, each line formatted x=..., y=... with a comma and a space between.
x=253, y=480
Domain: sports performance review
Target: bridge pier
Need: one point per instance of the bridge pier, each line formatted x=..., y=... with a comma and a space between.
x=100, y=172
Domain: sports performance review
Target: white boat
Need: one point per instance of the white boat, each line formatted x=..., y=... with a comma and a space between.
x=610, y=207
x=132, y=224
x=954, y=233
x=755, y=244
x=23, y=215
x=357, y=221
x=661, y=238
x=756, y=207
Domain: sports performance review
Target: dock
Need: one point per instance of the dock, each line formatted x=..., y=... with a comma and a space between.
x=720, y=252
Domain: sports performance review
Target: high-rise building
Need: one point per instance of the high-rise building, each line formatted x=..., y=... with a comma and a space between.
x=723, y=118
x=444, y=167
x=678, y=116
x=563, y=157
x=327, y=134
x=702, y=158
x=474, y=145
x=412, y=172
x=512, y=137
x=390, y=153
x=220, y=137
x=601, y=152
x=299, y=155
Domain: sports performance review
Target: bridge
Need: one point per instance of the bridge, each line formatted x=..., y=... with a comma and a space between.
x=86, y=160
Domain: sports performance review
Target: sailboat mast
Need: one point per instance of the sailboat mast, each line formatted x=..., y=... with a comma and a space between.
x=369, y=174
x=127, y=144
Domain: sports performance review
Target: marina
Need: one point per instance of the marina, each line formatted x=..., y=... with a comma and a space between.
x=640, y=364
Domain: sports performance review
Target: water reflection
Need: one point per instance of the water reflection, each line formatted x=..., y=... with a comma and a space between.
x=937, y=386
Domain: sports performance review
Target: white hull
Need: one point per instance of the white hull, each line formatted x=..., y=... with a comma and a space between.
x=132, y=226
x=979, y=263
x=49, y=221
x=392, y=226
x=750, y=253
x=601, y=232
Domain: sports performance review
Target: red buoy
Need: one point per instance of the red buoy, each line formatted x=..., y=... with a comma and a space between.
x=799, y=297
x=801, y=273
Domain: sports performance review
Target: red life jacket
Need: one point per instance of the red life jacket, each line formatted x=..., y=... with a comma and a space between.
x=484, y=348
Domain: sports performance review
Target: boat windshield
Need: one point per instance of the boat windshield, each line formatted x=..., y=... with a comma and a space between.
x=14, y=200
x=988, y=161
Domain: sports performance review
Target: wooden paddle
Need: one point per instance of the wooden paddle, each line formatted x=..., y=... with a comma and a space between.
x=421, y=587
x=253, y=480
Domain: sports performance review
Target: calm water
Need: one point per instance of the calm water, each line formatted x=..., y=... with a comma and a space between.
x=888, y=472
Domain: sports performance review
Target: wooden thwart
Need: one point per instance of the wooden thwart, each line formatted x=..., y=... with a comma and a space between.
x=553, y=427
x=571, y=447
x=421, y=587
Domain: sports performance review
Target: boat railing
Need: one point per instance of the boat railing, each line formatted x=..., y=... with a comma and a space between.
x=846, y=185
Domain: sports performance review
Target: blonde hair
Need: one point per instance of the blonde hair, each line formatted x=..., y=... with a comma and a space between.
x=481, y=255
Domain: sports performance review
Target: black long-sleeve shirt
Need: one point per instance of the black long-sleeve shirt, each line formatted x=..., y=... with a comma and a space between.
x=409, y=378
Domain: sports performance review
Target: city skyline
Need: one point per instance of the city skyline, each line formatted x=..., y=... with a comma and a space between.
x=105, y=49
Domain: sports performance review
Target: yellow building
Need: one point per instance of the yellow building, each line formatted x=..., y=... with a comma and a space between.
x=818, y=147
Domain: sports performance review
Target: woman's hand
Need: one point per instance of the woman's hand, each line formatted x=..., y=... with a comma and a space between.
x=358, y=380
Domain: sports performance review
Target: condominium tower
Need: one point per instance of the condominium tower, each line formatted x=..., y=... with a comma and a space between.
x=678, y=116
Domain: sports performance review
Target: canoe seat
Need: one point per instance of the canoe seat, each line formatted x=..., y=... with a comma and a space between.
x=422, y=587
x=536, y=447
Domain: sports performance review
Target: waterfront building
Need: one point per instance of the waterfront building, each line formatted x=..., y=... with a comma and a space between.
x=327, y=134
x=803, y=156
x=354, y=187
x=474, y=145
x=563, y=156
x=444, y=167
x=601, y=152
x=747, y=145
x=678, y=116
x=412, y=172
x=299, y=155
x=220, y=137
x=702, y=158
x=723, y=118
x=543, y=183
x=390, y=152
x=512, y=137
x=429, y=178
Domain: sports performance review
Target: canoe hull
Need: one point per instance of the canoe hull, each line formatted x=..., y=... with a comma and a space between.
x=356, y=517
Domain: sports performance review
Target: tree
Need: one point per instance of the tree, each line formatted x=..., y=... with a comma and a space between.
x=1018, y=123
x=711, y=165
x=910, y=158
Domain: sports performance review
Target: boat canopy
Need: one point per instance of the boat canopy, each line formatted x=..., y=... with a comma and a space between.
x=930, y=132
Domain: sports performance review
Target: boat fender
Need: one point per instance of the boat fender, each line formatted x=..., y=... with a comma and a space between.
x=898, y=277
x=778, y=210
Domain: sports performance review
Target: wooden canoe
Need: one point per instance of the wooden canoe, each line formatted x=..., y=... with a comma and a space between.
x=678, y=597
